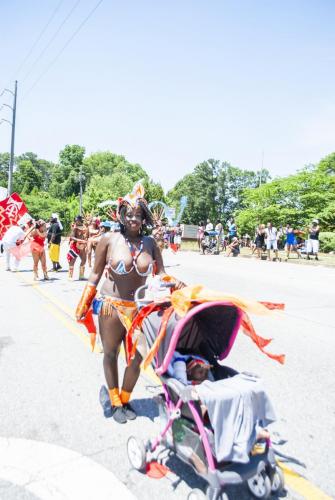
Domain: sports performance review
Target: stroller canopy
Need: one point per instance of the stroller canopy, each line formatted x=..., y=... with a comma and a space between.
x=208, y=329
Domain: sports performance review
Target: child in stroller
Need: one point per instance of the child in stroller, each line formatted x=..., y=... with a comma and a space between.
x=204, y=336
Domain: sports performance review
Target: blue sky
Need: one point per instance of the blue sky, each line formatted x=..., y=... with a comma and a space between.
x=172, y=83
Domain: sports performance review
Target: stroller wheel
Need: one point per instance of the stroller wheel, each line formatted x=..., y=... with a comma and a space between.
x=278, y=481
x=260, y=485
x=136, y=453
x=196, y=494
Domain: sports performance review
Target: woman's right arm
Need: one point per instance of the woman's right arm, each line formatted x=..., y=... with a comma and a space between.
x=100, y=260
x=90, y=289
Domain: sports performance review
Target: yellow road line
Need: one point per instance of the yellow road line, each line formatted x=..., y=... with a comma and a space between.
x=301, y=485
x=296, y=482
x=69, y=325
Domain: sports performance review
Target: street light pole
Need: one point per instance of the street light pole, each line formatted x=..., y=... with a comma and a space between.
x=81, y=191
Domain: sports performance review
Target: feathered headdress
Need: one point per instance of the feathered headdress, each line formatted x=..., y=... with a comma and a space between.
x=132, y=199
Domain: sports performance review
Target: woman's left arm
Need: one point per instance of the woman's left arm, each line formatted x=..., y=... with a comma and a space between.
x=160, y=270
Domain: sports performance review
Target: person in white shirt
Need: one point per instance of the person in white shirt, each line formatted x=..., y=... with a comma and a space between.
x=12, y=237
x=271, y=239
x=209, y=225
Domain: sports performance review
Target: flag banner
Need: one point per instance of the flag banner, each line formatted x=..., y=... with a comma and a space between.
x=12, y=209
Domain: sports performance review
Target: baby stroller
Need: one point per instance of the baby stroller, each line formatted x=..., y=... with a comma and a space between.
x=208, y=329
x=209, y=243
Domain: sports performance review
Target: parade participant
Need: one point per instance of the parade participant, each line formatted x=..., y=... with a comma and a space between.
x=38, y=235
x=93, y=238
x=78, y=247
x=12, y=237
x=313, y=239
x=177, y=236
x=130, y=258
x=158, y=234
x=105, y=227
x=54, y=240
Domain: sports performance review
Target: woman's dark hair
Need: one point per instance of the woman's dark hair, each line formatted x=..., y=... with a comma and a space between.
x=146, y=215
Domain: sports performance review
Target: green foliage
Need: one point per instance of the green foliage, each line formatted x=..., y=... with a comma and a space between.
x=4, y=166
x=214, y=190
x=327, y=242
x=41, y=205
x=296, y=199
x=27, y=177
x=66, y=176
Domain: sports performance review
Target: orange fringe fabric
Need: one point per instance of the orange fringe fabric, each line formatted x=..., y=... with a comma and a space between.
x=162, y=332
x=183, y=300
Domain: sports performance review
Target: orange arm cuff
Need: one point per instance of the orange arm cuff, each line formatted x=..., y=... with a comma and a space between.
x=86, y=300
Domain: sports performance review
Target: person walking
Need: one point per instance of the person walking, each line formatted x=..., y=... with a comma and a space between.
x=313, y=239
x=271, y=240
x=13, y=237
x=54, y=241
x=39, y=235
x=78, y=247
x=130, y=257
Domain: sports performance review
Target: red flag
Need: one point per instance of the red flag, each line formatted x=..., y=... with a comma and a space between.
x=11, y=211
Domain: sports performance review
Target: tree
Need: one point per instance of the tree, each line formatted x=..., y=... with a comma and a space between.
x=26, y=177
x=214, y=190
x=44, y=167
x=65, y=179
x=4, y=166
x=296, y=199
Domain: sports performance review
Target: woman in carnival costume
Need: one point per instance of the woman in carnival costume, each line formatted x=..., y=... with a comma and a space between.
x=94, y=233
x=78, y=247
x=38, y=235
x=129, y=258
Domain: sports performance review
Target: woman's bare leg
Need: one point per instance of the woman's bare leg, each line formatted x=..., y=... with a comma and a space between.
x=132, y=373
x=83, y=256
x=36, y=259
x=44, y=265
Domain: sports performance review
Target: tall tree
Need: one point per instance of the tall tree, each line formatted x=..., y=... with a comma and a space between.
x=65, y=181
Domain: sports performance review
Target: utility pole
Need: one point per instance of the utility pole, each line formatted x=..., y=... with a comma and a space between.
x=12, y=144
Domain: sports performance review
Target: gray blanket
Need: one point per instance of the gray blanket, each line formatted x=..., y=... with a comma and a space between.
x=236, y=406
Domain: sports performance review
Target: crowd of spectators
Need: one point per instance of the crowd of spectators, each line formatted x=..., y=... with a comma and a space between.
x=266, y=239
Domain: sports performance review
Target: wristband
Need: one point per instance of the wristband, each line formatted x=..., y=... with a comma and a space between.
x=86, y=300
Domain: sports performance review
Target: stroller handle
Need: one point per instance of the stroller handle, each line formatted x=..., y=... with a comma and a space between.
x=143, y=302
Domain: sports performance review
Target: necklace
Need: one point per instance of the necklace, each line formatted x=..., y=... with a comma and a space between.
x=135, y=252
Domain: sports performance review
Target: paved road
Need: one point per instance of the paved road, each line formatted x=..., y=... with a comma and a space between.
x=50, y=381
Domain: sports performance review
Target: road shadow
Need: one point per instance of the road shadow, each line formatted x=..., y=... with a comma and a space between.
x=186, y=473
x=145, y=407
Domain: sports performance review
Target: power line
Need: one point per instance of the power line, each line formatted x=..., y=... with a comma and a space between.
x=38, y=38
x=50, y=41
x=64, y=47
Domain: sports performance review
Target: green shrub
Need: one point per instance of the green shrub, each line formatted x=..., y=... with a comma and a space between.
x=327, y=242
